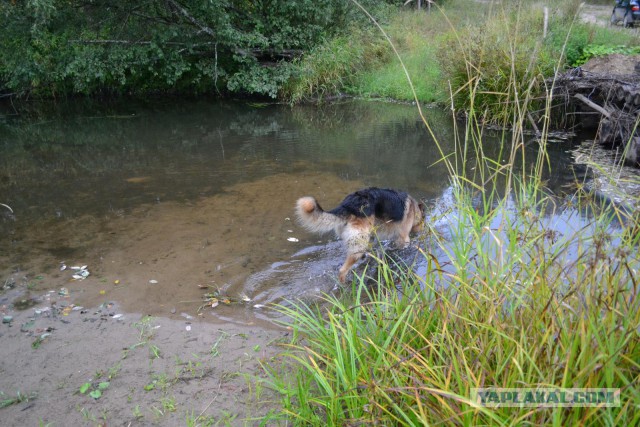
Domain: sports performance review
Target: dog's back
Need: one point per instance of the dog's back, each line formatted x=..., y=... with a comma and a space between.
x=382, y=203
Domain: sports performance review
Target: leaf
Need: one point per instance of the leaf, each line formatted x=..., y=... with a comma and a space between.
x=36, y=344
x=96, y=394
x=103, y=385
x=84, y=387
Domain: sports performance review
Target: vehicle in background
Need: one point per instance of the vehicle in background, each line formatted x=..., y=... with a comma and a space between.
x=626, y=12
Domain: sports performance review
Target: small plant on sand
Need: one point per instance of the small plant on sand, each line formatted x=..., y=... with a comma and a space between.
x=18, y=398
x=145, y=328
x=94, y=390
x=137, y=412
x=192, y=420
x=168, y=404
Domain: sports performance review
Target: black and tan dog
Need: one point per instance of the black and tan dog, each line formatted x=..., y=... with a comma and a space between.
x=390, y=213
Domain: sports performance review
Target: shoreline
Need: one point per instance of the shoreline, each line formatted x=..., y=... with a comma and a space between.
x=149, y=370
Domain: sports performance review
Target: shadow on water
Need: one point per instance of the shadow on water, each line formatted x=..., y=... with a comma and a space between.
x=165, y=202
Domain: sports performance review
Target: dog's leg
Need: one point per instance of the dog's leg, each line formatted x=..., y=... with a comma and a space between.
x=348, y=263
x=356, y=237
x=402, y=239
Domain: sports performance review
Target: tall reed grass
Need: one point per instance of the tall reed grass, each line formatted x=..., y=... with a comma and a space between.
x=508, y=299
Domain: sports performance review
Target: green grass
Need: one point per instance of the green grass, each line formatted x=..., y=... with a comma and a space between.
x=385, y=81
x=362, y=62
x=329, y=67
x=452, y=46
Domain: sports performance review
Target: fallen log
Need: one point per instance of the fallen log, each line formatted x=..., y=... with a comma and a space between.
x=592, y=104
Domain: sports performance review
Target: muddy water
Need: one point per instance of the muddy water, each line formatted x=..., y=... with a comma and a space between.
x=167, y=202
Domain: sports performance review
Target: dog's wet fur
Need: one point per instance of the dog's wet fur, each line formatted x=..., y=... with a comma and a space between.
x=391, y=214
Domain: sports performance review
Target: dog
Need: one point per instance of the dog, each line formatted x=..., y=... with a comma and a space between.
x=392, y=214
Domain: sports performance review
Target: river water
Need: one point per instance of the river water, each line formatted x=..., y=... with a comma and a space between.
x=167, y=203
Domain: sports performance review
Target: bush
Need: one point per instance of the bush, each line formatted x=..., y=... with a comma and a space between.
x=497, y=62
x=331, y=66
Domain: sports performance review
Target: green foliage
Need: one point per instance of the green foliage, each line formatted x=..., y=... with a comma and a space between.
x=331, y=66
x=60, y=47
x=576, y=38
x=590, y=51
x=254, y=78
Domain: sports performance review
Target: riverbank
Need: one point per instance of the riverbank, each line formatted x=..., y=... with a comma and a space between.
x=64, y=364
x=442, y=50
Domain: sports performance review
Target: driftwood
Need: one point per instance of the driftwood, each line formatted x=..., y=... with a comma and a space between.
x=616, y=97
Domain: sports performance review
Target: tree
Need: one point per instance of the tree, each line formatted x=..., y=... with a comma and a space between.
x=58, y=47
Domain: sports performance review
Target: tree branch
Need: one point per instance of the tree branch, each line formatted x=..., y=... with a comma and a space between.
x=593, y=105
x=191, y=19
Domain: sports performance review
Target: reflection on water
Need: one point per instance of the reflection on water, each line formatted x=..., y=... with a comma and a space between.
x=167, y=201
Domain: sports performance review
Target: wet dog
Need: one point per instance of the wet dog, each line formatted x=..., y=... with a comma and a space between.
x=390, y=214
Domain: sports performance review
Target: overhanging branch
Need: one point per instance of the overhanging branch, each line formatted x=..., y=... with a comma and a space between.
x=191, y=19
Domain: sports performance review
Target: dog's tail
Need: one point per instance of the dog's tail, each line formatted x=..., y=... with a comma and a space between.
x=315, y=219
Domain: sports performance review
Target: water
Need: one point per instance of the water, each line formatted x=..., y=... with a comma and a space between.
x=166, y=202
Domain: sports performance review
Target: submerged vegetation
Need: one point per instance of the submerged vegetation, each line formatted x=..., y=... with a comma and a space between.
x=510, y=298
